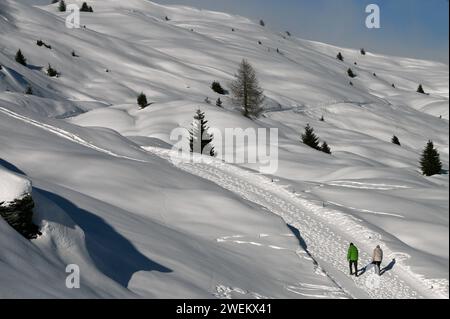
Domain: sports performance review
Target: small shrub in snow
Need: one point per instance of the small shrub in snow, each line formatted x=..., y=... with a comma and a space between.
x=430, y=161
x=351, y=73
x=363, y=51
x=262, y=23
x=420, y=89
x=41, y=43
x=20, y=58
x=322, y=119
x=29, y=90
x=396, y=141
x=51, y=72
x=219, y=102
x=217, y=87
x=142, y=101
x=166, y=18
x=86, y=8
x=62, y=6
x=207, y=100
x=340, y=57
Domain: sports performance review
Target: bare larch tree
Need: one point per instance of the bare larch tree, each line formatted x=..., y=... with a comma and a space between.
x=246, y=90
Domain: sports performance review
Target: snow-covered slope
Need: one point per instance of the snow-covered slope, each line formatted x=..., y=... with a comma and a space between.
x=12, y=186
x=140, y=227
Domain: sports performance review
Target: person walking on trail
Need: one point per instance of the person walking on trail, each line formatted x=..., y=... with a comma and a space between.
x=377, y=258
x=352, y=257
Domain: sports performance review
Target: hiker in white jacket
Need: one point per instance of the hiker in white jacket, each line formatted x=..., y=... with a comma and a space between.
x=377, y=258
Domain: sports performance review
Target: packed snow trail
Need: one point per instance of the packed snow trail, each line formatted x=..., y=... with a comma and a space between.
x=326, y=232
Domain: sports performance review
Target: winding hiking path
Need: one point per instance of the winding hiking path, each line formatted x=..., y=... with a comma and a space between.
x=326, y=232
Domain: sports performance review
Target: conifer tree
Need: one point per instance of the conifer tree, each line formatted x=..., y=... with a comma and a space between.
x=396, y=141
x=430, y=161
x=351, y=73
x=20, y=58
x=86, y=8
x=420, y=89
x=246, y=90
x=62, y=6
x=51, y=72
x=200, y=141
x=310, y=138
x=325, y=148
x=217, y=87
x=219, y=102
x=340, y=57
x=142, y=100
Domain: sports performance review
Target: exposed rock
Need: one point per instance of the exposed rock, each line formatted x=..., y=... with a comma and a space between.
x=19, y=214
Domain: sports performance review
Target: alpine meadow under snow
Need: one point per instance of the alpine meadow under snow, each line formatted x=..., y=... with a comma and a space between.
x=108, y=198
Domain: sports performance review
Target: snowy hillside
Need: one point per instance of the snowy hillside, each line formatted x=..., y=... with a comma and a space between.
x=109, y=199
x=12, y=186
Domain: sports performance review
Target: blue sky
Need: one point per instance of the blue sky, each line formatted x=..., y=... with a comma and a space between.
x=414, y=28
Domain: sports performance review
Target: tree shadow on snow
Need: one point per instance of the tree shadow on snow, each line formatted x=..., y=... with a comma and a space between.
x=35, y=67
x=302, y=243
x=300, y=239
x=114, y=255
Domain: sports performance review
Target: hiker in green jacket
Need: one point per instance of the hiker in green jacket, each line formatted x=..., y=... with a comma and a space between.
x=352, y=257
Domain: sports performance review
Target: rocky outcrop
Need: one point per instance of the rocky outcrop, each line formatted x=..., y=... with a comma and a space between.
x=19, y=214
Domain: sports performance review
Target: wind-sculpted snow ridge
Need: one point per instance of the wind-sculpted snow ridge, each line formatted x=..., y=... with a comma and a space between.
x=64, y=134
x=326, y=232
x=12, y=186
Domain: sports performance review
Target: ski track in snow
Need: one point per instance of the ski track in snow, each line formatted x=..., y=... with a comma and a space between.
x=367, y=211
x=225, y=292
x=320, y=227
x=359, y=185
x=64, y=134
x=317, y=291
x=238, y=239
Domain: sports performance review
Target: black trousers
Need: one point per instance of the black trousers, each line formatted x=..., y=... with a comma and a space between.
x=355, y=264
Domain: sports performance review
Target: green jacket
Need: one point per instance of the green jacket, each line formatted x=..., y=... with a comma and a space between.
x=352, y=254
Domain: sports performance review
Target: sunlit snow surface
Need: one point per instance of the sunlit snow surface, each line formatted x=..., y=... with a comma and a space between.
x=109, y=200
